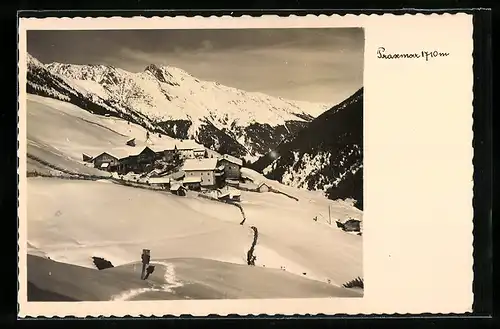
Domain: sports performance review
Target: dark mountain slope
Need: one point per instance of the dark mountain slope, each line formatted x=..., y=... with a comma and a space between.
x=327, y=155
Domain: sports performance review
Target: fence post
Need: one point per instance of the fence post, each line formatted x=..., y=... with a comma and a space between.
x=146, y=256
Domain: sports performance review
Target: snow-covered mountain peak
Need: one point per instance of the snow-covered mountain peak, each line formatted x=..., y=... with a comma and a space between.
x=178, y=103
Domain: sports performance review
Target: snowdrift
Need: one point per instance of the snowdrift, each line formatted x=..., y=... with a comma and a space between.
x=181, y=278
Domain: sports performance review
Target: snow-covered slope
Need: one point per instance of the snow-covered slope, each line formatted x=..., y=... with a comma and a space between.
x=325, y=156
x=168, y=99
x=59, y=132
x=71, y=221
x=180, y=278
x=81, y=219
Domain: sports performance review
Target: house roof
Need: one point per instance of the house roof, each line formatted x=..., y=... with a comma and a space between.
x=150, y=147
x=199, y=164
x=175, y=187
x=235, y=193
x=170, y=145
x=177, y=175
x=223, y=194
x=159, y=180
x=155, y=148
x=117, y=153
x=192, y=180
x=232, y=159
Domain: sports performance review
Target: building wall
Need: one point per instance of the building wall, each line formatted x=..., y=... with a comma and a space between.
x=232, y=171
x=146, y=156
x=207, y=176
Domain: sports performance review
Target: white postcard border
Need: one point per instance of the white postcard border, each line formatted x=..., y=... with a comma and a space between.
x=417, y=131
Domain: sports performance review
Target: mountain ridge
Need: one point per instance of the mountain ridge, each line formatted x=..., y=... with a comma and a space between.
x=314, y=160
x=169, y=100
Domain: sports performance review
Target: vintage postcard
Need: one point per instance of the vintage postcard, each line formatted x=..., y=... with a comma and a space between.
x=251, y=165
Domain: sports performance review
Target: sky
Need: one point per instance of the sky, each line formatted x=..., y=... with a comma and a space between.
x=316, y=65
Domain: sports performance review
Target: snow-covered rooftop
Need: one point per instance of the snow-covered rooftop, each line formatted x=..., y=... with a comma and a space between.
x=175, y=187
x=232, y=159
x=159, y=180
x=199, y=164
x=120, y=153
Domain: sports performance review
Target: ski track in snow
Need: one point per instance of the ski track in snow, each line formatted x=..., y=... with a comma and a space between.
x=169, y=276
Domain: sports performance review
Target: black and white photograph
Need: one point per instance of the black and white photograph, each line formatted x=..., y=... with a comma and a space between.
x=194, y=164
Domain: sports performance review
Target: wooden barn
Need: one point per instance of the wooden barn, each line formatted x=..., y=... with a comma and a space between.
x=232, y=166
x=105, y=161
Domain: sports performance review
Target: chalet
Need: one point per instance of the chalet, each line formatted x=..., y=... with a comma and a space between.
x=203, y=168
x=140, y=162
x=105, y=161
x=147, y=156
x=163, y=182
x=232, y=166
x=178, y=189
x=128, y=164
x=263, y=187
x=137, y=163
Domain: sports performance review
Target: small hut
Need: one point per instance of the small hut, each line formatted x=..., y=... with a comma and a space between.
x=87, y=158
x=235, y=195
x=263, y=187
x=131, y=142
x=223, y=195
x=178, y=189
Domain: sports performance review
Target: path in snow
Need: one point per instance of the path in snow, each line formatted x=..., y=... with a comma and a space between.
x=170, y=284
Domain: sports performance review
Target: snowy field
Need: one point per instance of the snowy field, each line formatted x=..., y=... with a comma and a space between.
x=71, y=221
x=179, y=278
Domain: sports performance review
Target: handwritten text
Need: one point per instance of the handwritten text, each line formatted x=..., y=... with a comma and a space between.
x=427, y=55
